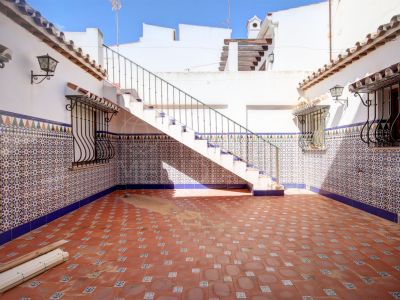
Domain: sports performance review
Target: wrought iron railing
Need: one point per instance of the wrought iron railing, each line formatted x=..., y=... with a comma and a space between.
x=177, y=106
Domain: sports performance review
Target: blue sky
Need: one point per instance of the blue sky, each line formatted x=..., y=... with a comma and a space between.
x=76, y=15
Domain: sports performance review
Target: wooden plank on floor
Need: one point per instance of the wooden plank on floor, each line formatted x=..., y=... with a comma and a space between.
x=31, y=255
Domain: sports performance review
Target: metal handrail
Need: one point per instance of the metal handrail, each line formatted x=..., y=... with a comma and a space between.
x=135, y=71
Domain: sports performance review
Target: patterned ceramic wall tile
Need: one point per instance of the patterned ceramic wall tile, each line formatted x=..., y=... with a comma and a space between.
x=159, y=159
x=35, y=171
x=347, y=167
x=36, y=158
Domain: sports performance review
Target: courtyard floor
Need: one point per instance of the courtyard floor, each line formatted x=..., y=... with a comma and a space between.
x=214, y=244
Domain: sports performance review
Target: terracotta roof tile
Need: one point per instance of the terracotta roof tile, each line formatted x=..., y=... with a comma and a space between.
x=90, y=97
x=384, y=33
x=20, y=7
x=383, y=77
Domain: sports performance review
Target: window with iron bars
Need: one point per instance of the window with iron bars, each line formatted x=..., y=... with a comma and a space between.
x=312, y=122
x=382, y=128
x=91, y=143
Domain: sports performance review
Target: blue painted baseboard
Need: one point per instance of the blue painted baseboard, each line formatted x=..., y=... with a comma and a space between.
x=357, y=204
x=294, y=185
x=268, y=193
x=180, y=186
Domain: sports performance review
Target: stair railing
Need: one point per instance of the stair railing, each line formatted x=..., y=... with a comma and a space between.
x=177, y=106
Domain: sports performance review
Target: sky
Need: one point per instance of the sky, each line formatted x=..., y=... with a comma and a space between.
x=76, y=15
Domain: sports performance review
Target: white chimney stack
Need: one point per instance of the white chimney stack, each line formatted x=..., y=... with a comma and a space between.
x=253, y=27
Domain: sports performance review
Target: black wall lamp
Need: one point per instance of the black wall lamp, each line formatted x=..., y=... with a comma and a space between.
x=271, y=57
x=48, y=65
x=336, y=92
x=5, y=56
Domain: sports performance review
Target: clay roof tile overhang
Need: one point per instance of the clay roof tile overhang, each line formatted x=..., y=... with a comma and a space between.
x=81, y=95
x=385, y=33
x=24, y=15
x=385, y=77
x=250, y=52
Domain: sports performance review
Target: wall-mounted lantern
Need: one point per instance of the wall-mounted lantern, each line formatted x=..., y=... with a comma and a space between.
x=271, y=57
x=48, y=65
x=336, y=92
x=5, y=56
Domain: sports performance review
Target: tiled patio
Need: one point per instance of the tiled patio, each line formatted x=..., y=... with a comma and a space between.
x=211, y=244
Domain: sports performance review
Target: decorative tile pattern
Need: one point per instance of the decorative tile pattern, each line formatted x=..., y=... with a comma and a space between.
x=159, y=159
x=351, y=169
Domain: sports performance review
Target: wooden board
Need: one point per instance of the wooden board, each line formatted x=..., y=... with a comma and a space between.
x=249, y=41
x=247, y=48
x=31, y=255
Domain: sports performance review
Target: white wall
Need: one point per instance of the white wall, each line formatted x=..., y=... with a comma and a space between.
x=382, y=57
x=352, y=20
x=91, y=42
x=202, y=34
x=157, y=33
x=125, y=122
x=301, y=37
x=237, y=90
x=199, y=49
x=45, y=100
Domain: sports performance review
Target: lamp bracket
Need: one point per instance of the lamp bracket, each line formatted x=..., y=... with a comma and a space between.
x=35, y=77
x=344, y=102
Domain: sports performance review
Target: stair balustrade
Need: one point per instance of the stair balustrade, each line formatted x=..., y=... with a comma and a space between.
x=178, y=107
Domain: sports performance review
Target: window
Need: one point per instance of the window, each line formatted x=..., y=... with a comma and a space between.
x=311, y=122
x=382, y=128
x=89, y=121
x=379, y=93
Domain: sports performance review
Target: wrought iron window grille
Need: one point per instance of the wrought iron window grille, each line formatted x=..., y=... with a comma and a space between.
x=379, y=93
x=382, y=127
x=312, y=123
x=90, y=120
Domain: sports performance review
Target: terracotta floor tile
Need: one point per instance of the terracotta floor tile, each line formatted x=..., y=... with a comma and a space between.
x=215, y=244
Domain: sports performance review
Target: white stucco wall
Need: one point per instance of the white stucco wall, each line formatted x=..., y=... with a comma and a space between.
x=157, y=33
x=377, y=60
x=91, y=42
x=202, y=34
x=45, y=100
x=301, y=37
x=199, y=49
x=238, y=90
x=352, y=20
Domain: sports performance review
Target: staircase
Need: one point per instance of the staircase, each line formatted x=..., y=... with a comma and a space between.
x=195, y=124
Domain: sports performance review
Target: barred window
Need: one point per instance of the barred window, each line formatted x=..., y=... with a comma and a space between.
x=379, y=93
x=382, y=128
x=89, y=121
x=312, y=122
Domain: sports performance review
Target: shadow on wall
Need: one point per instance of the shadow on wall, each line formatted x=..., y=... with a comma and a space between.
x=338, y=116
x=157, y=161
x=354, y=174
